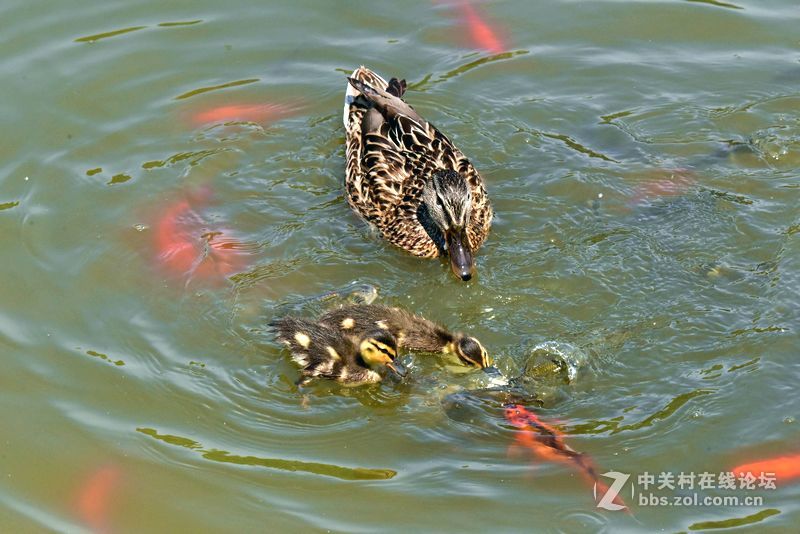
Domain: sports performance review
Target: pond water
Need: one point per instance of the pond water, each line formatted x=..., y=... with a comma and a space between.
x=171, y=178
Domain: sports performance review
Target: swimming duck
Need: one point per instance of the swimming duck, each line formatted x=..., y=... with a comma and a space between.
x=337, y=354
x=407, y=179
x=410, y=331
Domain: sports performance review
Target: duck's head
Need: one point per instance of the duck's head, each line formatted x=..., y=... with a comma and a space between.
x=448, y=199
x=470, y=352
x=379, y=348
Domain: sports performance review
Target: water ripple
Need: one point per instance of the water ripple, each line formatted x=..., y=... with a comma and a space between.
x=644, y=180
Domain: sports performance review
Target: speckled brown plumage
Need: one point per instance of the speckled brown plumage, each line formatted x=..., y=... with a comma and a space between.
x=387, y=170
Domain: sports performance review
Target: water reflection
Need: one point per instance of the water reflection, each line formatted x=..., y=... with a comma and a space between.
x=216, y=455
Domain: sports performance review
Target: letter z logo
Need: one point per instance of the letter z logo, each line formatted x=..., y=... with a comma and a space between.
x=607, y=500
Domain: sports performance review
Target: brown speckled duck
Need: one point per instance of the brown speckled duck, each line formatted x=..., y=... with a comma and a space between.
x=407, y=179
x=349, y=358
x=410, y=331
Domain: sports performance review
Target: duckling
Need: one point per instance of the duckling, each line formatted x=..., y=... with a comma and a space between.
x=410, y=331
x=407, y=179
x=335, y=354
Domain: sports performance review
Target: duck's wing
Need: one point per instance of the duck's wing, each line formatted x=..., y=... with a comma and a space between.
x=356, y=108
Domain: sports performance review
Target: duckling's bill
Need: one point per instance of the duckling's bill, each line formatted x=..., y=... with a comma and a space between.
x=397, y=368
x=380, y=348
x=496, y=377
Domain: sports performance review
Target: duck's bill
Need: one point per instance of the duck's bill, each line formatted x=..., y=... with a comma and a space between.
x=493, y=371
x=397, y=368
x=461, y=261
x=496, y=378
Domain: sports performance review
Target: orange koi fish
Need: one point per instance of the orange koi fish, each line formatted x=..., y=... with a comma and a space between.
x=259, y=113
x=175, y=250
x=182, y=247
x=95, y=495
x=677, y=184
x=784, y=467
x=546, y=442
x=482, y=34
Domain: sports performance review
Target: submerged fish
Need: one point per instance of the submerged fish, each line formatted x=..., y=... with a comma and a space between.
x=183, y=246
x=783, y=467
x=94, y=497
x=677, y=183
x=259, y=113
x=546, y=442
x=481, y=33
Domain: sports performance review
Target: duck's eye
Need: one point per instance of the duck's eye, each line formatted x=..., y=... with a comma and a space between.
x=379, y=348
x=384, y=341
x=445, y=214
x=384, y=349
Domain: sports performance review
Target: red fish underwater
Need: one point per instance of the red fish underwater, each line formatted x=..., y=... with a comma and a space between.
x=677, y=183
x=482, y=34
x=259, y=113
x=95, y=497
x=783, y=467
x=185, y=246
x=547, y=443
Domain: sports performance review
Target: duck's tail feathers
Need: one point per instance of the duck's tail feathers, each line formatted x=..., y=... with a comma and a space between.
x=397, y=87
x=362, y=74
x=385, y=98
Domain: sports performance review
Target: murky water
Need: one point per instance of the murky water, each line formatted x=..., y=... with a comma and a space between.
x=642, y=159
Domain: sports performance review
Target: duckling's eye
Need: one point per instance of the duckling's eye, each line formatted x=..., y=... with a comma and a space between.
x=374, y=350
x=384, y=341
x=384, y=349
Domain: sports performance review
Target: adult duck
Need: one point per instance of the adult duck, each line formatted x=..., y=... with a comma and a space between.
x=407, y=178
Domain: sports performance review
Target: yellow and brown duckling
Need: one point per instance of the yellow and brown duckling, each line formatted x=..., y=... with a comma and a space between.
x=411, y=332
x=407, y=179
x=336, y=354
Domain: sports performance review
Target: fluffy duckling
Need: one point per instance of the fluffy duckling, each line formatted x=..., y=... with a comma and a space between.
x=411, y=332
x=335, y=354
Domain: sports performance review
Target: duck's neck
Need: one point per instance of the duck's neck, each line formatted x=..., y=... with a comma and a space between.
x=431, y=228
x=427, y=336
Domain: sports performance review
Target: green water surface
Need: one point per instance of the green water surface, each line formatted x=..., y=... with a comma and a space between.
x=642, y=158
